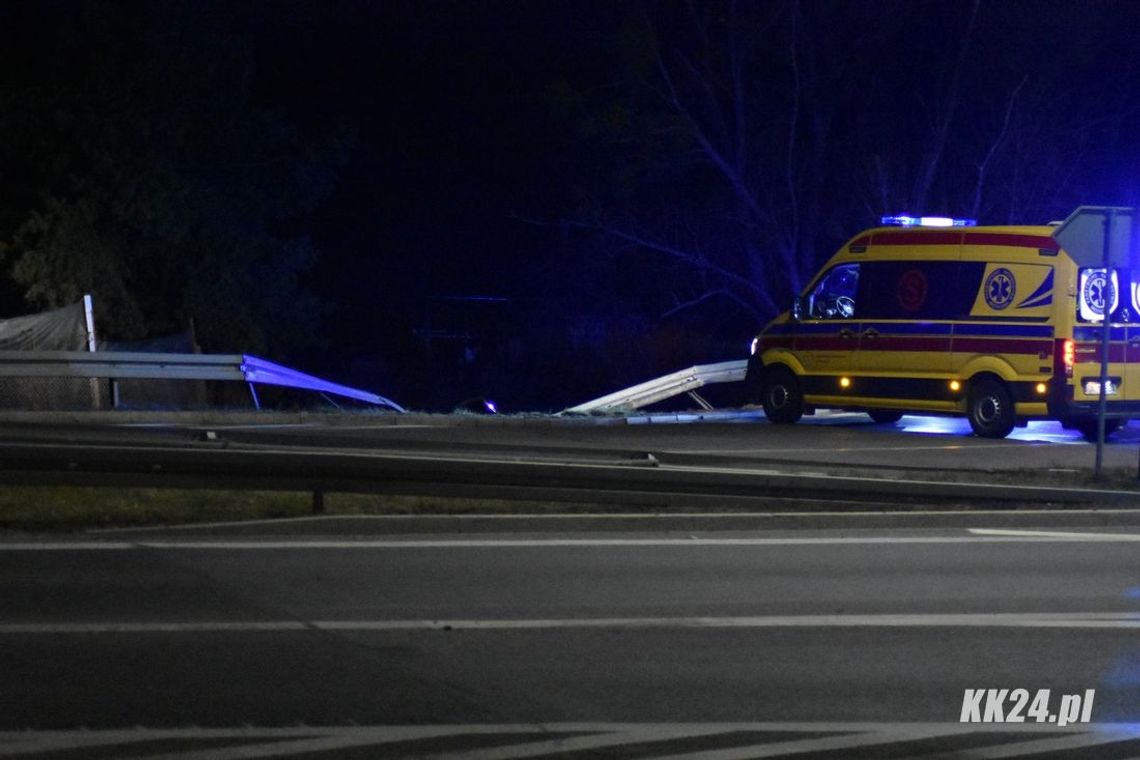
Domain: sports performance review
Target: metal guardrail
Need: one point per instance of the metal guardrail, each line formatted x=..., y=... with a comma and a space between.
x=652, y=391
x=629, y=482
x=115, y=365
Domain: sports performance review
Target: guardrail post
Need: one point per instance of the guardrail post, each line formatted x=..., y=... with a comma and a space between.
x=92, y=347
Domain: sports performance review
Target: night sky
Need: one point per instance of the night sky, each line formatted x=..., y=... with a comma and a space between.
x=643, y=184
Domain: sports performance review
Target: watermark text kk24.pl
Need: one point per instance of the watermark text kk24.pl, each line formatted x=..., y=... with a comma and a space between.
x=1021, y=706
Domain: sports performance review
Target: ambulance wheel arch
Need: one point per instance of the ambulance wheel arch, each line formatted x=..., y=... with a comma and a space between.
x=782, y=358
x=990, y=406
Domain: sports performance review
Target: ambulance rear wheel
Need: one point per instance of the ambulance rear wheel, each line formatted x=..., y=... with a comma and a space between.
x=783, y=402
x=885, y=416
x=990, y=409
x=1088, y=429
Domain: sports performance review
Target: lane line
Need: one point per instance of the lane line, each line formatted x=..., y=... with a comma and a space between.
x=520, y=543
x=1054, y=534
x=403, y=732
x=39, y=742
x=88, y=546
x=800, y=746
x=208, y=626
x=1050, y=745
x=582, y=743
x=276, y=742
x=1104, y=620
x=428, y=520
x=983, y=537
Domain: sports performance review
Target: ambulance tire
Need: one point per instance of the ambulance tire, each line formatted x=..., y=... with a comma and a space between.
x=885, y=416
x=989, y=408
x=1088, y=429
x=783, y=401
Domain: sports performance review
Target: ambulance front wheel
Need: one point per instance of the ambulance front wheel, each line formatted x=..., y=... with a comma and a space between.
x=990, y=409
x=783, y=402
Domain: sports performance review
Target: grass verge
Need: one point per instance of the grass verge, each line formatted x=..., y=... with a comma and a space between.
x=69, y=508
x=66, y=508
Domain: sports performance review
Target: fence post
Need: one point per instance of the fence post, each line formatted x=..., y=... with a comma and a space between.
x=92, y=346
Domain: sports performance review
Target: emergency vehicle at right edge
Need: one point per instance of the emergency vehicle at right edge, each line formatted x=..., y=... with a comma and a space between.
x=935, y=315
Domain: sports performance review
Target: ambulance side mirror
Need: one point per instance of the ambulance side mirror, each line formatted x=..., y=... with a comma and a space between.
x=797, y=308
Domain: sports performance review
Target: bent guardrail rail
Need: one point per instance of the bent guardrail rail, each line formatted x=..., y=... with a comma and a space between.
x=114, y=365
x=661, y=388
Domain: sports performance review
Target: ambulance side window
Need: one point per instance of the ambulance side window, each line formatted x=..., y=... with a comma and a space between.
x=912, y=289
x=834, y=296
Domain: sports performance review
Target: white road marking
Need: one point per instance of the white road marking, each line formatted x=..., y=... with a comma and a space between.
x=1055, y=534
x=86, y=546
x=518, y=543
x=428, y=520
x=583, y=743
x=1052, y=744
x=37, y=742
x=979, y=536
x=298, y=740
x=801, y=746
x=126, y=626
x=1099, y=620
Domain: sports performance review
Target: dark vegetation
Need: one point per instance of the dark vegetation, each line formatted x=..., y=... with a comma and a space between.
x=537, y=201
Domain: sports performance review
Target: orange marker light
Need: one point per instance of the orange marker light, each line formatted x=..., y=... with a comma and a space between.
x=955, y=386
x=844, y=382
x=1069, y=353
x=1041, y=387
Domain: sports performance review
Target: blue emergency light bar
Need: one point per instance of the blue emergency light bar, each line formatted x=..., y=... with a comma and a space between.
x=927, y=221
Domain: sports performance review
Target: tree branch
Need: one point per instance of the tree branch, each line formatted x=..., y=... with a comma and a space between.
x=983, y=167
x=722, y=292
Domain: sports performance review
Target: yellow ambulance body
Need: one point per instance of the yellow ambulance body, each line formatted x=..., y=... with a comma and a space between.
x=995, y=323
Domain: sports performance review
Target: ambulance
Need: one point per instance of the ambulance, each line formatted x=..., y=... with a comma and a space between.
x=934, y=315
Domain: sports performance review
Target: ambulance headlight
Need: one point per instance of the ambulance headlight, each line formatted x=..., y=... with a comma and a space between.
x=752, y=346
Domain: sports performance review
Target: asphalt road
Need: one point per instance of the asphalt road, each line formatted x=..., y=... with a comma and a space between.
x=815, y=636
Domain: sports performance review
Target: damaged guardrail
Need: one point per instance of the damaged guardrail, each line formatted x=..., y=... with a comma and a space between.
x=659, y=389
x=115, y=365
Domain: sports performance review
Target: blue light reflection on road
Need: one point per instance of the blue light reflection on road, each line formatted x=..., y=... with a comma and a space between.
x=1038, y=432
x=1035, y=432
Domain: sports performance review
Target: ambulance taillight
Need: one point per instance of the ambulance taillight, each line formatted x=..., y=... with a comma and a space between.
x=1068, y=356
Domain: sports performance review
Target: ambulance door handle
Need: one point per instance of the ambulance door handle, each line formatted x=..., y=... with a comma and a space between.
x=870, y=332
x=846, y=332
x=1134, y=342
